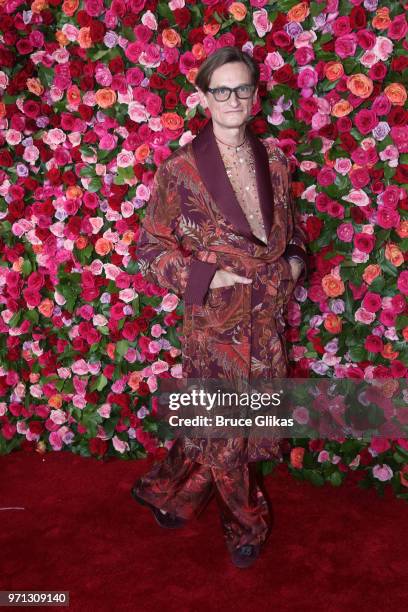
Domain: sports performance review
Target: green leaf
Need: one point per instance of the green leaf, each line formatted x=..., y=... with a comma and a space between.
x=122, y=347
x=95, y=184
x=15, y=319
x=357, y=353
x=335, y=479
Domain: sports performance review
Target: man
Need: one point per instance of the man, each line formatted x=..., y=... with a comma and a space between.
x=221, y=232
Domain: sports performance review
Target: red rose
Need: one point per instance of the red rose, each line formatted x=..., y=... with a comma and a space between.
x=36, y=427
x=366, y=120
x=398, y=116
x=401, y=175
x=364, y=242
x=182, y=17
x=284, y=74
x=399, y=63
x=358, y=18
x=371, y=301
x=313, y=227
x=378, y=71
x=6, y=159
x=97, y=31
x=97, y=446
x=348, y=142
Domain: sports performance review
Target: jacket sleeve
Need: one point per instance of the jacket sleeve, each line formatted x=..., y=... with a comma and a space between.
x=296, y=247
x=161, y=257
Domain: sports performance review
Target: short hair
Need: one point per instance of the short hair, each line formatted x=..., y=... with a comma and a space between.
x=222, y=56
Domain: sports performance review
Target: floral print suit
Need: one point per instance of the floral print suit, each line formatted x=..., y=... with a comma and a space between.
x=194, y=225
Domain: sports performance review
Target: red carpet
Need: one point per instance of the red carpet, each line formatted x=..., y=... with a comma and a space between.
x=331, y=549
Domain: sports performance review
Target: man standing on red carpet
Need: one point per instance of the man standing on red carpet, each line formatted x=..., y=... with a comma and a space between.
x=221, y=232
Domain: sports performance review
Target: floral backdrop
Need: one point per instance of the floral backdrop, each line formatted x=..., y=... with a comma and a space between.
x=94, y=96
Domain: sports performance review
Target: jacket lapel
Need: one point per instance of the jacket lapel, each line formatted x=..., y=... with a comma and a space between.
x=213, y=174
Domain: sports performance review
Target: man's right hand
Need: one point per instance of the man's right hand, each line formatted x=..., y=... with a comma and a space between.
x=222, y=278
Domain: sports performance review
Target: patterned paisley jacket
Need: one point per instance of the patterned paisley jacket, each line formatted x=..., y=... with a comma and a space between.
x=193, y=226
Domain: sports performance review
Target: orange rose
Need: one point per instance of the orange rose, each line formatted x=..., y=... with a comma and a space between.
x=333, y=323
x=371, y=272
x=360, y=85
x=171, y=121
x=299, y=12
x=296, y=457
x=55, y=401
x=332, y=286
x=382, y=20
x=142, y=153
x=103, y=246
x=211, y=29
x=84, y=38
x=191, y=75
x=238, y=11
x=396, y=93
x=127, y=237
x=73, y=192
x=2, y=109
x=198, y=51
x=402, y=229
x=405, y=333
x=341, y=108
x=134, y=380
x=35, y=87
x=46, y=307
x=394, y=254
x=61, y=38
x=404, y=476
x=37, y=248
x=74, y=95
x=105, y=98
x=388, y=353
x=81, y=242
x=171, y=38
x=38, y=6
x=110, y=349
x=18, y=264
x=333, y=71
x=70, y=7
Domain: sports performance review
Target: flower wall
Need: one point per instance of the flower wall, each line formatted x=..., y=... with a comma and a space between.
x=93, y=97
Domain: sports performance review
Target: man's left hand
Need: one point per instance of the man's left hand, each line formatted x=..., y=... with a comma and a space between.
x=296, y=268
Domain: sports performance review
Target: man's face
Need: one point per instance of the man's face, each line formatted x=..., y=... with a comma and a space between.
x=234, y=112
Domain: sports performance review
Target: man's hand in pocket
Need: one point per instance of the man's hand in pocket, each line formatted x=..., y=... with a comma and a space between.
x=222, y=278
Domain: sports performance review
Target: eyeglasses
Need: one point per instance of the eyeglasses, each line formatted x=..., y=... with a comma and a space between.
x=222, y=94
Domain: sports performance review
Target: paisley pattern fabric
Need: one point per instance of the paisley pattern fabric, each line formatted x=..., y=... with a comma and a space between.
x=184, y=487
x=195, y=225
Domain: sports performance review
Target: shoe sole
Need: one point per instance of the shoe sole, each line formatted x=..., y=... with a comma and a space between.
x=153, y=510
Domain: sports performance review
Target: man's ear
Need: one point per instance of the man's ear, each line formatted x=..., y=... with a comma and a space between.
x=203, y=101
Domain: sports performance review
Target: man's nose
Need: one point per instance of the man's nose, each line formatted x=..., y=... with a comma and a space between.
x=234, y=100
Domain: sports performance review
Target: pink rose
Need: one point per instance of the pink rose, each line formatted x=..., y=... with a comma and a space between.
x=345, y=232
x=326, y=176
x=402, y=282
x=359, y=178
x=382, y=472
x=398, y=28
x=261, y=22
x=346, y=45
x=383, y=48
x=380, y=445
x=307, y=77
x=363, y=316
x=169, y=302
x=387, y=217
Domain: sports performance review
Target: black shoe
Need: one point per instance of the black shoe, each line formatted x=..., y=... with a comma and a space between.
x=168, y=520
x=245, y=556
